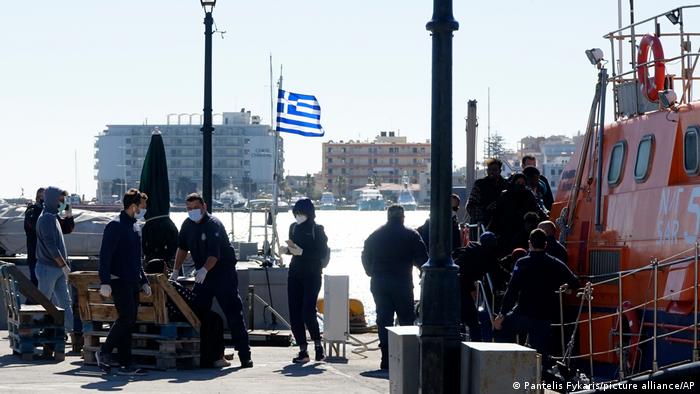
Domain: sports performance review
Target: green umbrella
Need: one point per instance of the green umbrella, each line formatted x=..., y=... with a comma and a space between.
x=159, y=234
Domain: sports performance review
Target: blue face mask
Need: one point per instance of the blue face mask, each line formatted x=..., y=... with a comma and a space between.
x=140, y=214
x=195, y=215
x=62, y=206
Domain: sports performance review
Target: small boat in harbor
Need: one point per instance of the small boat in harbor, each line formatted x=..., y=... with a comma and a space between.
x=327, y=201
x=370, y=200
x=406, y=199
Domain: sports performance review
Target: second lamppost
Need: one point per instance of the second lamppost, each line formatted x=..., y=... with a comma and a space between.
x=207, y=122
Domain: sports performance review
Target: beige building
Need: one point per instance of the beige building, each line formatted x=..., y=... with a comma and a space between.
x=349, y=165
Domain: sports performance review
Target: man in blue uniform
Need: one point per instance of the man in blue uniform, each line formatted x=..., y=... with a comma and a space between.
x=536, y=279
x=205, y=238
x=389, y=255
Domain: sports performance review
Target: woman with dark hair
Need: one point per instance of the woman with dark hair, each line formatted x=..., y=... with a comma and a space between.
x=308, y=245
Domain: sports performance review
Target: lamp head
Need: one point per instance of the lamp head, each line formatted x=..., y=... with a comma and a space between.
x=208, y=5
x=595, y=55
x=674, y=16
x=667, y=98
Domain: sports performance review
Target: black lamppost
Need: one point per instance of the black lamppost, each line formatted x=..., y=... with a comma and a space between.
x=207, y=122
x=439, y=313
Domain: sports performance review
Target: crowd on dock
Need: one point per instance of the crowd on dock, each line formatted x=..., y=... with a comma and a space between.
x=511, y=240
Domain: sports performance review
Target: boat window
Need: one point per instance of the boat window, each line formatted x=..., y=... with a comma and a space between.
x=644, y=156
x=617, y=160
x=690, y=150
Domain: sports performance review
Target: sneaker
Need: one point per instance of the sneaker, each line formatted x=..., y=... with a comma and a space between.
x=302, y=358
x=129, y=371
x=103, y=361
x=246, y=363
x=221, y=363
x=319, y=353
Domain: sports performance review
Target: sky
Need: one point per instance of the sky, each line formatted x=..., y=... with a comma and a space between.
x=68, y=69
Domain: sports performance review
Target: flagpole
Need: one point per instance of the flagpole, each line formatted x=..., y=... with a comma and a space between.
x=275, y=177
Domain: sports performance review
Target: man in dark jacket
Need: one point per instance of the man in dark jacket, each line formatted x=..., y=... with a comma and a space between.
x=554, y=247
x=424, y=229
x=205, y=238
x=545, y=188
x=307, y=244
x=388, y=257
x=122, y=278
x=31, y=216
x=484, y=193
x=474, y=261
x=534, y=285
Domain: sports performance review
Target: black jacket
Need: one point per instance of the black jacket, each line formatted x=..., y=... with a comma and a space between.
x=535, y=281
x=556, y=249
x=120, y=253
x=205, y=239
x=474, y=262
x=484, y=192
x=312, y=238
x=424, y=231
x=393, y=250
x=31, y=216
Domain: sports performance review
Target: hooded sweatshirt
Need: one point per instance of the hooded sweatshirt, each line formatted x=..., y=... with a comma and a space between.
x=50, y=242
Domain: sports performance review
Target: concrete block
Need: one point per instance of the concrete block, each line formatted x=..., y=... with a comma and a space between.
x=404, y=359
x=497, y=368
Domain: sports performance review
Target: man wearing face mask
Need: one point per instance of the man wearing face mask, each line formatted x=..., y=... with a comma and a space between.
x=484, y=193
x=122, y=277
x=307, y=244
x=52, y=267
x=31, y=216
x=206, y=239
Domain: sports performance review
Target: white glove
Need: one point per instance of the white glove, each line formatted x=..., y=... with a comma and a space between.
x=66, y=270
x=146, y=289
x=200, y=275
x=173, y=276
x=105, y=291
x=284, y=249
x=296, y=251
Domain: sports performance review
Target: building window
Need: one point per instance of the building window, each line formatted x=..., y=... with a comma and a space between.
x=330, y=149
x=552, y=172
x=342, y=171
x=617, y=162
x=645, y=154
x=351, y=160
x=330, y=160
x=690, y=150
x=330, y=171
x=415, y=150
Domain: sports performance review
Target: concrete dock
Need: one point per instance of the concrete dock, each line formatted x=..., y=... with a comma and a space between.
x=273, y=373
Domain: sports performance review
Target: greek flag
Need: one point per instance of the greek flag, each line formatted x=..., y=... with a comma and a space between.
x=298, y=114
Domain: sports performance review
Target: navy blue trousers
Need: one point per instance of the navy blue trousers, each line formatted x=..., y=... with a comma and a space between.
x=302, y=294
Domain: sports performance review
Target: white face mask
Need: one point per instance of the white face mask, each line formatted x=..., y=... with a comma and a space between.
x=300, y=218
x=195, y=215
x=140, y=214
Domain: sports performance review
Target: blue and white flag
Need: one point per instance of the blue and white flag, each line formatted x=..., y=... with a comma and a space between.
x=298, y=114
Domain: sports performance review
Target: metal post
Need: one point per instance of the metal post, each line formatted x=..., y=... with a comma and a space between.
x=589, y=292
x=439, y=319
x=602, y=83
x=655, y=263
x=695, y=308
x=562, y=289
x=207, y=124
x=619, y=323
x=250, y=225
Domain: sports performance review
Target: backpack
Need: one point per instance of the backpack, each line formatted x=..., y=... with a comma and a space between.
x=327, y=256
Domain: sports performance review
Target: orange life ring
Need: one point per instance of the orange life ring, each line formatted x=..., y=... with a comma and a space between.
x=633, y=330
x=651, y=91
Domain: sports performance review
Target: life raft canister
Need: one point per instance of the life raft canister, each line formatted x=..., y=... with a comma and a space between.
x=651, y=91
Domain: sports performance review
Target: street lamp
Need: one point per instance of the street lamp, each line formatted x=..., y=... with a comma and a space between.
x=207, y=122
x=439, y=336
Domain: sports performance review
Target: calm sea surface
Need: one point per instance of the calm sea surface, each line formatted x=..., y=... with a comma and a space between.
x=346, y=230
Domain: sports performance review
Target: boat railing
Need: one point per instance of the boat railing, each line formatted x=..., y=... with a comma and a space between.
x=687, y=60
x=586, y=296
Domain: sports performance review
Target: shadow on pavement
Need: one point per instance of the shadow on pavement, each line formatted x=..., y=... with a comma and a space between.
x=114, y=382
x=377, y=374
x=14, y=361
x=336, y=360
x=298, y=370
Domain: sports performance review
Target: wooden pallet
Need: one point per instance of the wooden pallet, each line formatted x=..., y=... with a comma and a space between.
x=33, y=330
x=148, y=359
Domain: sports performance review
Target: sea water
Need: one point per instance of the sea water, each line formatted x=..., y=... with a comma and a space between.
x=346, y=230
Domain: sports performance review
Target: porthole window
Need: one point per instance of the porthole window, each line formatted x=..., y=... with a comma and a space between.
x=645, y=152
x=690, y=150
x=617, y=162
